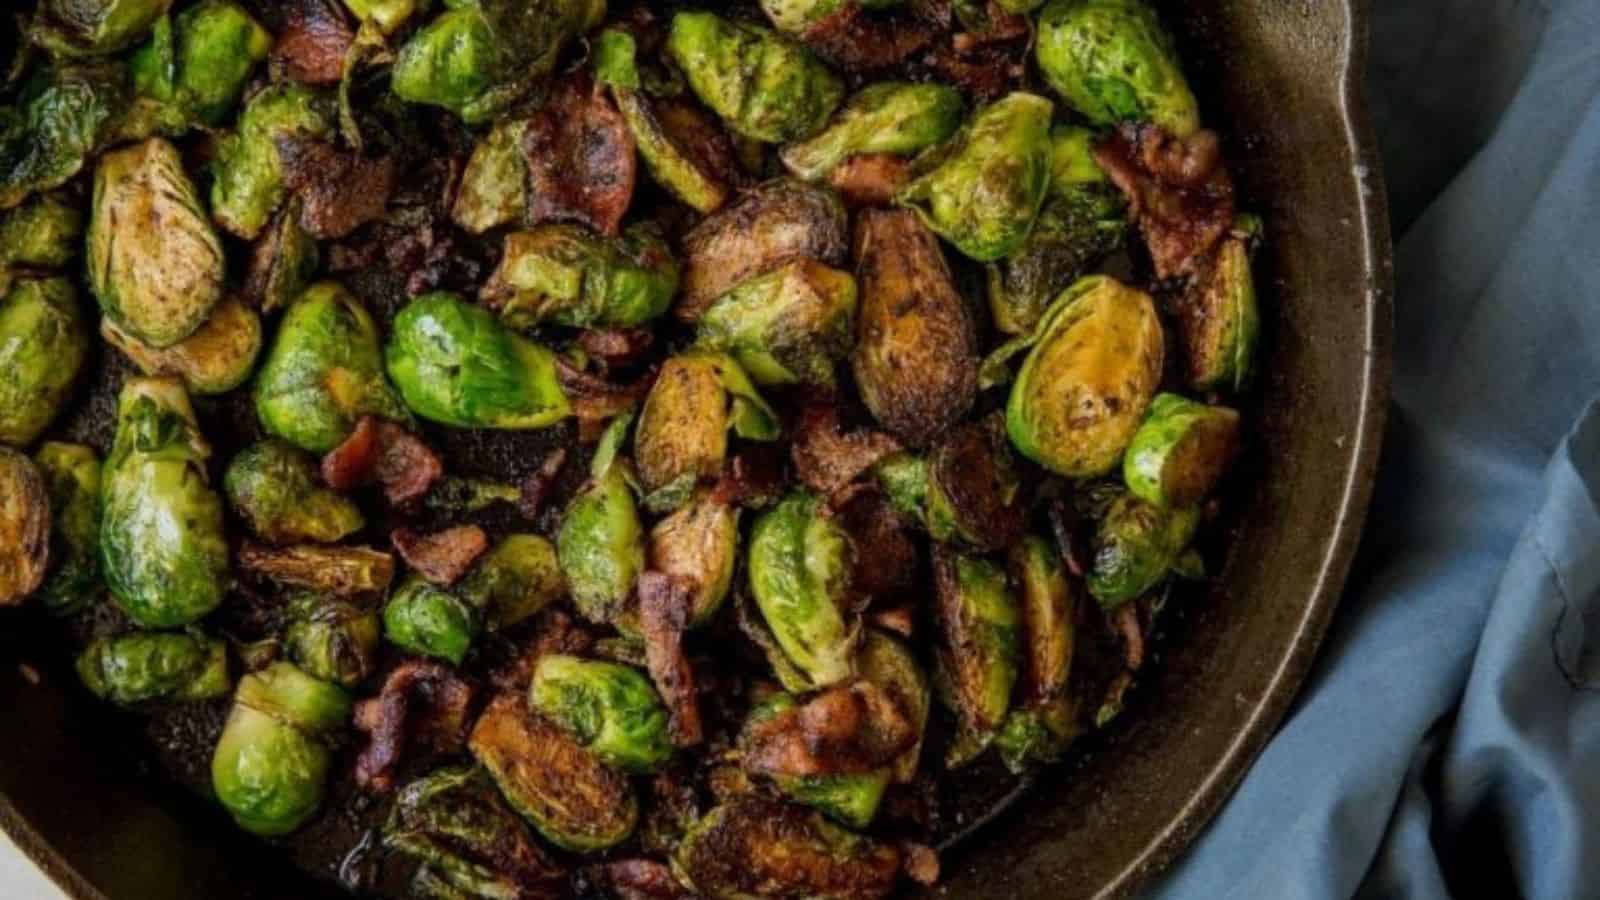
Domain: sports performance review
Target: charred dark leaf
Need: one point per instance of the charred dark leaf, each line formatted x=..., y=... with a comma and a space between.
x=974, y=491
x=341, y=571
x=666, y=610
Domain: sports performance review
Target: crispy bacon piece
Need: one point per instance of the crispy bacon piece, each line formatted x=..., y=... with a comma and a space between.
x=640, y=879
x=754, y=477
x=855, y=39
x=596, y=400
x=442, y=557
x=1178, y=191
x=312, y=44
x=827, y=459
x=665, y=605
x=920, y=863
x=421, y=702
x=885, y=556
x=539, y=482
x=581, y=164
x=340, y=571
x=339, y=190
x=386, y=453
x=870, y=179
x=844, y=730
x=900, y=619
x=616, y=348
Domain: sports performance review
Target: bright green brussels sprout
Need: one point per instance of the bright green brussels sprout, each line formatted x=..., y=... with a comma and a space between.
x=890, y=117
x=576, y=801
x=196, y=63
x=982, y=189
x=161, y=543
x=612, y=709
x=454, y=363
x=979, y=649
x=1218, y=320
x=430, y=620
x=800, y=570
x=479, y=56
x=43, y=233
x=214, y=360
x=493, y=189
x=1093, y=367
x=752, y=846
x=332, y=639
x=1135, y=546
x=519, y=576
x=765, y=86
x=601, y=542
x=788, y=326
x=94, y=27
x=699, y=542
x=388, y=15
x=62, y=116
x=1044, y=721
x=848, y=797
x=247, y=185
x=271, y=764
x=682, y=435
x=568, y=275
x=155, y=264
x=24, y=527
x=323, y=372
x=274, y=488
x=43, y=344
x=144, y=666
x=283, y=263
x=1112, y=62
x=1180, y=452
x=72, y=474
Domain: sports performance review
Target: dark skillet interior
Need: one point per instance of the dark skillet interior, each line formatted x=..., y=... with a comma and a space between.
x=80, y=790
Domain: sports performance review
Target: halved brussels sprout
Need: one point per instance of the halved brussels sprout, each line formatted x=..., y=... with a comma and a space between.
x=196, y=63
x=247, y=185
x=274, y=488
x=519, y=576
x=331, y=638
x=612, y=709
x=1112, y=62
x=493, y=189
x=155, y=264
x=145, y=666
x=93, y=27
x=283, y=263
x=979, y=649
x=454, y=363
x=682, y=435
x=426, y=619
x=572, y=798
x=601, y=543
x=889, y=117
x=72, y=473
x=1180, y=452
x=763, y=85
x=1218, y=319
x=342, y=571
x=888, y=663
x=271, y=765
x=568, y=275
x=785, y=327
x=43, y=233
x=214, y=360
x=700, y=542
x=63, y=115
x=161, y=543
x=973, y=490
x=800, y=572
x=1135, y=546
x=24, y=527
x=982, y=190
x=1044, y=721
x=43, y=343
x=755, y=847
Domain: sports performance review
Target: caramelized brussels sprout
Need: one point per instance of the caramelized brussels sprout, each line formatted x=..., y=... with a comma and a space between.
x=161, y=281
x=1044, y=722
x=274, y=488
x=94, y=27
x=161, y=543
x=43, y=344
x=788, y=326
x=283, y=263
x=323, y=372
x=601, y=543
x=426, y=619
x=43, y=233
x=682, y=435
x=700, y=542
x=247, y=184
x=519, y=576
x=755, y=847
x=72, y=474
x=24, y=527
x=567, y=275
x=973, y=492
x=196, y=63
x=890, y=117
x=612, y=709
x=979, y=649
x=800, y=570
x=763, y=85
x=1112, y=62
x=455, y=364
x=271, y=764
x=332, y=639
x=341, y=571
x=63, y=115
x=493, y=189
x=574, y=800
x=214, y=360
x=888, y=663
x=1218, y=320
x=145, y=666
x=1135, y=546
x=848, y=797
x=1180, y=452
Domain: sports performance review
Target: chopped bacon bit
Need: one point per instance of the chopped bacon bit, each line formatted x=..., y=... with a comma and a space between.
x=312, y=44
x=827, y=460
x=753, y=478
x=665, y=604
x=339, y=190
x=421, y=702
x=595, y=400
x=901, y=620
x=885, y=556
x=581, y=164
x=1126, y=621
x=1178, y=191
x=442, y=557
x=920, y=862
x=539, y=483
x=853, y=38
x=616, y=348
x=641, y=879
x=870, y=179
x=844, y=730
x=386, y=453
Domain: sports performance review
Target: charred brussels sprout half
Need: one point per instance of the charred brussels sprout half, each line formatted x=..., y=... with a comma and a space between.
x=891, y=117
x=62, y=115
x=146, y=666
x=601, y=543
x=1044, y=721
x=755, y=847
x=700, y=542
x=43, y=344
x=612, y=709
x=517, y=578
x=274, y=488
x=161, y=542
x=44, y=232
x=214, y=360
x=888, y=663
x=72, y=474
x=982, y=190
x=323, y=372
x=1136, y=545
x=94, y=27
x=682, y=435
x=1112, y=62
x=429, y=620
x=766, y=87
x=271, y=765
x=800, y=572
x=24, y=527
x=979, y=648
x=788, y=326
x=567, y=275
x=247, y=175
x=848, y=797
x=974, y=494
x=196, y=63
x=155, y=264
x=1180, y=452
x=1218, y=319
x=455, y=364
x=332, y=639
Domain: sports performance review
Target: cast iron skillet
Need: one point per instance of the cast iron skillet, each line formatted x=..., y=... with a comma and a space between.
x=1283, y=83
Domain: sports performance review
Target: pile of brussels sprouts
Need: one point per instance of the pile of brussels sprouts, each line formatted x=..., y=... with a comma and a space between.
x=1048, y=439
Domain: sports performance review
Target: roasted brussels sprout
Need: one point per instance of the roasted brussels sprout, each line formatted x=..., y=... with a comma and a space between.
x=700, y=542
x=493, y=189
x=94, y=27
x=271, y=764
x=800, y=570
x=571, y=797
x=283, y=263
x=979, y=648
x=247, y=185
x=161, y=543
x=601, y=542
x=1093, y=368
x=1218, y=320
x=72, y=474
x=1113, y=63
x=1136, y=545
x=1044, y=721
x=430, y=620
x=323, y=372
x=454, y=363
x=340, y=570
x=519, y=576
x=887, y=662
x=43, y=233
x=682, y=435
x=479, y=56
x=568, y=275
x=62, y=116
x=763, y=85
x=1180, y=452
x=331, y=638
x=755, y=847
x=274, y=488
x=214, y=360
x=890, y=117
x=155, y=264
x=43, y=343
x=973, y=491
x=612, y=709
x=24, y=527
x=144, y=666
x=196, y=63
x=788, y=326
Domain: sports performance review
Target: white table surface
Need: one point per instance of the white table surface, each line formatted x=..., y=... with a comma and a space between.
x=19, y=880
